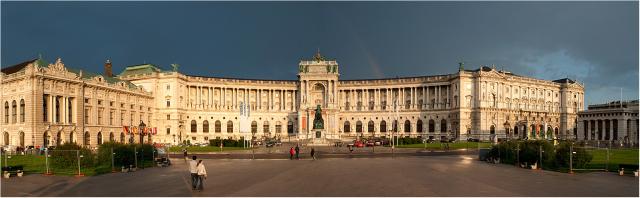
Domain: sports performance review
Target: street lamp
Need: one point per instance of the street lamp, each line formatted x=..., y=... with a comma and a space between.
x=141, y=130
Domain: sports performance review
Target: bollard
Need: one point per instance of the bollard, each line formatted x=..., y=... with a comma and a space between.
x=135, y=152
x=571, y=159
x=113, y=166
x=46, y=162
x=78, y=157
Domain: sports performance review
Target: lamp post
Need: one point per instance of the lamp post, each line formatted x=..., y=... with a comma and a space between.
x=141, y=130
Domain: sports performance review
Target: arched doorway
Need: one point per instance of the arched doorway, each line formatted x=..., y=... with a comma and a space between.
x=99, y=138
x=22, y=139
x=492, y=130
x=87, y=139
x=383, y=126
x=5, y=139
x=515, y=131
x=407, y=126
x=71, y=137
x=347, y=127
x=59, y=138
x=111, y=137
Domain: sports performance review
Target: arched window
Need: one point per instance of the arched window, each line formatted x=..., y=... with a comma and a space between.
x=87, y=139
x=265, y=127
x=229, y=126
x=419, y=126
x=21, y=139
x=347, y=127
x=443, y=125
x=555, y=131
x=290, y=127
x=492, y=130
x=72, y=138
x=432, y=126
x=407, y=126
x=205, y=126
x=278, y=127
x=383, y=126
x=111, y=137
x=22, y=113
x=218, y=127
x=99, y=138
x=194, y=126
x=370, y=126
x=358, y=127
x=122, y=137
x=14, y=114
x=6, y=112
x=254, y=127
x=5, y=138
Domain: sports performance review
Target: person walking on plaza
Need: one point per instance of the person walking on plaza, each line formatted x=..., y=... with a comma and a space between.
x=297, y=152
x=202, y=175
x=313, y=154
x=193, y=169
x=291, y=152
x=184, y=152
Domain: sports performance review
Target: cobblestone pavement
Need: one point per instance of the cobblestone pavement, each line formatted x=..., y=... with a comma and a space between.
x=454, y=175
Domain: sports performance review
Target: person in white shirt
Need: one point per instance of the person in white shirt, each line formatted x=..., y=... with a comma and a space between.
x=202, y=174
x=193, y=164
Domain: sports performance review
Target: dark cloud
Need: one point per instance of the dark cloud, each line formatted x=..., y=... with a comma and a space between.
x=594, y=42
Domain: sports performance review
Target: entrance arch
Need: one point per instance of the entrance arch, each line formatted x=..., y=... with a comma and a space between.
x=5, y=139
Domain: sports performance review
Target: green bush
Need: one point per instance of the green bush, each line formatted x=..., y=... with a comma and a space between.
x=580, y=159
x=553, y=157
x=226, y=142
x=124, y=154
x=64, y=157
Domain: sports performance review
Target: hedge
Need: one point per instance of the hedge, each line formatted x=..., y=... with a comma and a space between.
x=553, y=157
x=227, y=142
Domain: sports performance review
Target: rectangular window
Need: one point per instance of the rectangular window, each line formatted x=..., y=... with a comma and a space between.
x=168, y=103
x=168, y=117
x=86, y=115
x=111, y=103
x=57, y=109
x=100, y=111
x=122, y=118
x=70, y=110
x=168, y=131
x=45, y=103
x=99, y=102
x=111, y=118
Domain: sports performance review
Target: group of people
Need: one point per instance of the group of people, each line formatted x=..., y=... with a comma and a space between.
x=296, y=151
x=198, y=173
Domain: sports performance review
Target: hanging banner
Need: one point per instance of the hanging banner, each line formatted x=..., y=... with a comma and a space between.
x=125, y=129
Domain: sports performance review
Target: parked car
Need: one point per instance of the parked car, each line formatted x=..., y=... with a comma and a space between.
x=371, y=143
x=358, y=144
x=473, y=140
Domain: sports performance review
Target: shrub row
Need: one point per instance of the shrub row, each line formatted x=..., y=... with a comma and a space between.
x=553, y=157
x=63, y=156
x=226, y=142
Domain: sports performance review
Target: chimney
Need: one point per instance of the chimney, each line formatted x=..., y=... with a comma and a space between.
x=107, y=69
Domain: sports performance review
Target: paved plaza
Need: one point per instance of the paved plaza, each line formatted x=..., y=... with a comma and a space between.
x=457, y=175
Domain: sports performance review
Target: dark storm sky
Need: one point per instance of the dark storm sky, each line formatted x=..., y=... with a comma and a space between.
x=593, y=42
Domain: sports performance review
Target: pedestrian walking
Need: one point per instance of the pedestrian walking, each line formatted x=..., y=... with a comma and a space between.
x=184, y=152
x=313, y=154
x=350, y=149
x=193, y=169
x=291, y=152
x=202, y=175
x=297, y=152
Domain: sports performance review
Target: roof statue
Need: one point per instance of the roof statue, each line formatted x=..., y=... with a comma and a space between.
x=318, y=57
x=175, y=67
x=460, y=66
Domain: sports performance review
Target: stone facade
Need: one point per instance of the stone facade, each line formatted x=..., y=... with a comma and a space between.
x=615, y=121
x=465, y=104
x=468, y=103
x=43, y=106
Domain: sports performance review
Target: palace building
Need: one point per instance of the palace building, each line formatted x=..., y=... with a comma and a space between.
x=465, y=104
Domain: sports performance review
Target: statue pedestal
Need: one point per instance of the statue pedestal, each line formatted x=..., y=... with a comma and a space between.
x=318, y=138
